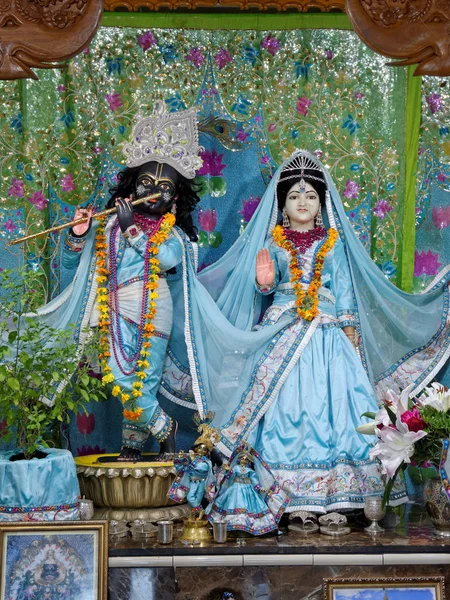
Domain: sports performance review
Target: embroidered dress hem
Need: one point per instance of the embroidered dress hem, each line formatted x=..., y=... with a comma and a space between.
x=241, y=520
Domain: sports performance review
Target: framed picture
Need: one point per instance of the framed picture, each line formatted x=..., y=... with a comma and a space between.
x=54, y=560
x=386, y=588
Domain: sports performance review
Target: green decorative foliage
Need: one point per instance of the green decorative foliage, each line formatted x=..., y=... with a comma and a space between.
x=35, y=360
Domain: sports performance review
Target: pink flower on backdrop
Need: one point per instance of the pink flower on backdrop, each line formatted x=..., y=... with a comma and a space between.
x=413, y=420
x=318, y=154
x=434, y=102
x=9, y=225
x=67, y=183
x=114, y=101
x=421, y=150
x=242, y=135
x=303, y=105
x=441, y=177
x=258, y=119
x=39, y=200
x=249, y=206
x=207, y=219
x=212, y=163
x=441, y=216
x=329, y=54
x=196, y=57
x=426, y=263
x=61, y=88
x=382, y=208
x=17, y=188
x=146, y=40
x=358, y=95
x=271, y=44
x=87, y=450
x=351, y=189
x=85, y=423
x=222, y=58
x=86, y=50
x=265, y=159
x=272, y=127
x=97, y=149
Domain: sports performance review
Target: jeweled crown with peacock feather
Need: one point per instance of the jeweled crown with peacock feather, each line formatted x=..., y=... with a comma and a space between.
x=166, y=137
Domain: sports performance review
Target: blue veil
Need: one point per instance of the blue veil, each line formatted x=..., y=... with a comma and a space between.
x=403, y=338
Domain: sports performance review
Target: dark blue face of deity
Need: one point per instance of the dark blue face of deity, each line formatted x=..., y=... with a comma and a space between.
x=50, y=572
x=154, y=178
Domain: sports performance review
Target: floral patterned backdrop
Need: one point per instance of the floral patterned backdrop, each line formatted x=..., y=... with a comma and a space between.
x=433, y=183
x=322, y=90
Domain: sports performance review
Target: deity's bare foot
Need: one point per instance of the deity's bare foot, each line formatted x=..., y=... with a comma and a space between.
x=167, y=447
x=129, y=455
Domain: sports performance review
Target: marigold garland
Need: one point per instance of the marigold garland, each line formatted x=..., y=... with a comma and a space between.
x=159, y=237
x=307, y=303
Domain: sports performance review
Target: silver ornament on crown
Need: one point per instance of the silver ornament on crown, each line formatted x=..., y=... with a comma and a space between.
x=166, y=137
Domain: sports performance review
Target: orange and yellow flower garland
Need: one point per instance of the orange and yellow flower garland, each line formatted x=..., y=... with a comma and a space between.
x=307, y=303
x=157, y=239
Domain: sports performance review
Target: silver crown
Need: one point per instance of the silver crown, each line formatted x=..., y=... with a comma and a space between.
x=170, y=138
x=302, y=160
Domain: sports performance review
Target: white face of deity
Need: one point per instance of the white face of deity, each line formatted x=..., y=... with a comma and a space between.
x=302, y=206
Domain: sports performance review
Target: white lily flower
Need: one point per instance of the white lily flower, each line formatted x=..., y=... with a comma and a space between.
x=395, y=446
x=437, y=397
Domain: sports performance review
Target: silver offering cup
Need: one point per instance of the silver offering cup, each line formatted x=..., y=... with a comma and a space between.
x=165, y=531
x=373, y=509
x=220, y=531
x=86, y=509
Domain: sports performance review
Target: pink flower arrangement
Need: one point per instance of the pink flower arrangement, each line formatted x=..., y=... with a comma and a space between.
x=222, y=58
x=39, y=200
x=242, y=135
x=271, y=44
x=114, y=101
x=249, y=206
x=146, y=40
x=17, y=188
x=212, y=163
x=441, y=216
x=382, y=208
x=196, y=57
x=67, y=183
x=207, y=219
x=413, y=420
x=302, y=106
x=426, y=263
x=441, y=177
x=85, y=423
x=351, y=189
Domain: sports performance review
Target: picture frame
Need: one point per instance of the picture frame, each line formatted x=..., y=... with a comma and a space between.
x=68, y=559
x=389, y=588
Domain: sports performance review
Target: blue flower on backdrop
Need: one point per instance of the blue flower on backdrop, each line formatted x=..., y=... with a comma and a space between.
x=443, y=131
x=121, y=129
x=351, y=124
x=114, y=65
x=168, y=53
x=241, y=105
x=251, y=54
x=302, y=69
x=68, y=118
x=16, y=123
x=175, y=103
x=388, y=269
x=64, y=161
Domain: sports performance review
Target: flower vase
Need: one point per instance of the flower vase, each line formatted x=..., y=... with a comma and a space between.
x=437, y=504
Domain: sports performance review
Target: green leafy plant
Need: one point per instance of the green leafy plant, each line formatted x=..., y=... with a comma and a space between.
x=42, y=378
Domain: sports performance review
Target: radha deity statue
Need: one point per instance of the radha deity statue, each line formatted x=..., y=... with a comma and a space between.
x=248, y=498
x=122, y=263
x=336, y=335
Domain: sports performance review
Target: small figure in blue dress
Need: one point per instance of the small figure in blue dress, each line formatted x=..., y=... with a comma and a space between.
x=195, y=479
x=248, y=498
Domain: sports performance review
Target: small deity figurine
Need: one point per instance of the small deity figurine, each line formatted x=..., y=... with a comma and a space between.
x=195, y=479
x=127, y=295
x=242, y=500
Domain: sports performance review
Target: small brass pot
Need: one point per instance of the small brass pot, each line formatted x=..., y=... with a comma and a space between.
x=195, y=532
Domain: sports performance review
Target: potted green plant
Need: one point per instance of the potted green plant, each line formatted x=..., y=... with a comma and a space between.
x=43, y=380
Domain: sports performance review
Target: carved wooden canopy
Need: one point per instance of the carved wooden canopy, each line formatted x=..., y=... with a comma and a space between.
x=215, y=5
x=36, y=33
x=414, y=31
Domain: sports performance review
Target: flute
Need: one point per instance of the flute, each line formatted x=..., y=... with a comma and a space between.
x=103, y=213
